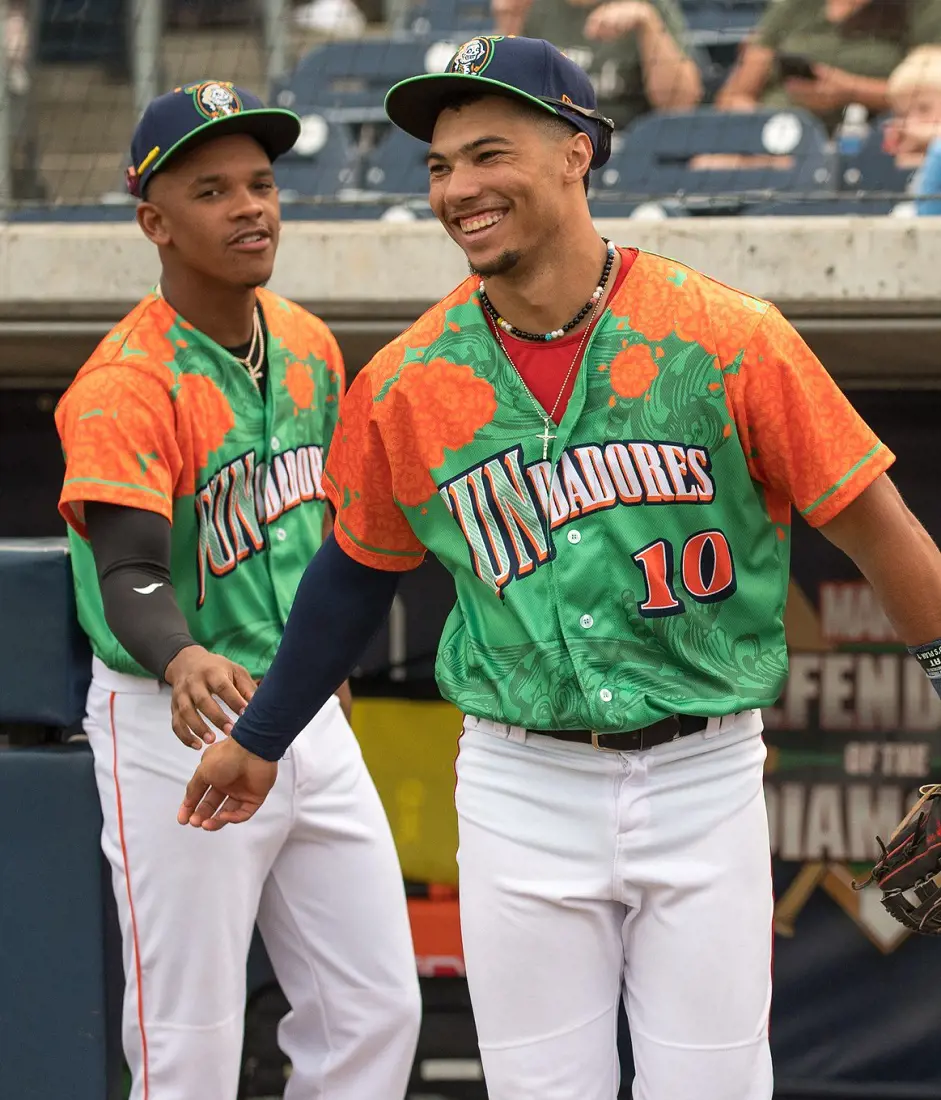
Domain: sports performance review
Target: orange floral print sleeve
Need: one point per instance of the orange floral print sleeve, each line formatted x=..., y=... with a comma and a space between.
x=116, y=428
x=802, y=437
x=370, y=526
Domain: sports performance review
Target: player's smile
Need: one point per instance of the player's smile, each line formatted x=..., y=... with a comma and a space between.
x=471, y=230
x=476, y=223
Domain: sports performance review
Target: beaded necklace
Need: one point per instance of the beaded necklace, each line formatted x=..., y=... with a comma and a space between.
x=557, y=333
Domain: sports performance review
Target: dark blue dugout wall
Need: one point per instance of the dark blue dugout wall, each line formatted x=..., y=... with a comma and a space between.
x=58, y=1001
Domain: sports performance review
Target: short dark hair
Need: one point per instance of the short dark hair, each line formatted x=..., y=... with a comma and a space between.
x=552, y=124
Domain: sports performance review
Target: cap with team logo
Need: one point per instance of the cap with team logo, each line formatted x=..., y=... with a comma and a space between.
x=529, y=69
x=195, y=112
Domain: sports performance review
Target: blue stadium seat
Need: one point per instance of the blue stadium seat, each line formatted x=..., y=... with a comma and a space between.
x=652, y=159
x=348, y=81
x=397, y=165
x=462, y=19
x=323, y=162
x=719, y=22
x=717, y=30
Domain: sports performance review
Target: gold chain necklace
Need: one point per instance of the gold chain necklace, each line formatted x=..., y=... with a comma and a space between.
x=255, y=356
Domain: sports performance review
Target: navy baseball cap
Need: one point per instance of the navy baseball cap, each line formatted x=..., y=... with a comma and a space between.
x=194, y=112
x=529, y=69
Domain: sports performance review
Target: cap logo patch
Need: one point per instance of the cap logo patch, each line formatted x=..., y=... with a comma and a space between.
x=474, y=56
x=215, y=99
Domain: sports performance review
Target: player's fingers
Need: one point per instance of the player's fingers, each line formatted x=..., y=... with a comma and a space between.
x=232, y=812
x=195, y=792
x=188, y=709
x=227, y=691
x=243, y=681
x=207, y=806
x=184, y=733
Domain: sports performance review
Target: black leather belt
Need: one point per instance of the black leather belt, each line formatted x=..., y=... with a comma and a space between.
x=657, y=733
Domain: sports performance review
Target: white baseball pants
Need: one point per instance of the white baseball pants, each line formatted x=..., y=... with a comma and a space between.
x=586, y=876
x=318, y=869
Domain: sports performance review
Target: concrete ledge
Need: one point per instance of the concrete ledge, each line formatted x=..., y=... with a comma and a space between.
x=371, y=270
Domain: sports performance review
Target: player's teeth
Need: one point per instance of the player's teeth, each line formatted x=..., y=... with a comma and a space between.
x=480, y=223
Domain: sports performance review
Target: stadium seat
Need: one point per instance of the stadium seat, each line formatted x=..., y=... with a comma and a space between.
x=653, y=158
x=348, y=81
x=461, y=18
x=324, y=161
x=397, y=165
x=92, y=32
x=717, y=29
x=721, y=21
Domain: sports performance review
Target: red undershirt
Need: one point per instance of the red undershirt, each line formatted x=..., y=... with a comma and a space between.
x=543, y=366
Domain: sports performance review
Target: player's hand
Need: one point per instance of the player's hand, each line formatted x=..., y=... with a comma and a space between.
x=615, y=19
x=196, y=675
x=227, y=787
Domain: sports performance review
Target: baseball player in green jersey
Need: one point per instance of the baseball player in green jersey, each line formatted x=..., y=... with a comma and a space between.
x=194, y=441
x=605, y=448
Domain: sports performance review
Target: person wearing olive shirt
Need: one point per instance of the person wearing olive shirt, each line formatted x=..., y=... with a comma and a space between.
x=634, y=51
x=852, y=46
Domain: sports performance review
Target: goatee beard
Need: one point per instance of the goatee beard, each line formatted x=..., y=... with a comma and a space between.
x=504, y=263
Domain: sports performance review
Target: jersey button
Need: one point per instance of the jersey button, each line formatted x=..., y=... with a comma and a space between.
x=605, y=695
x=575, y=537
x=586, y=622
x=281, y=534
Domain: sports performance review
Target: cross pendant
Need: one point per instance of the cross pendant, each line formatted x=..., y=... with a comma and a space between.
x=545, y=437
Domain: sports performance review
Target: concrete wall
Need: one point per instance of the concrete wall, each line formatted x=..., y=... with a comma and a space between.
x=870, y=288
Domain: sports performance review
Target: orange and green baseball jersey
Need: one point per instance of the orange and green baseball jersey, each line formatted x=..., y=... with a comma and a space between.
x=642, y=569
x=163, y=418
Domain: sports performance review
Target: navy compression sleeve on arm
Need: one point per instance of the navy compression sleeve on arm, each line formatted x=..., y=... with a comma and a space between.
x=339, y=606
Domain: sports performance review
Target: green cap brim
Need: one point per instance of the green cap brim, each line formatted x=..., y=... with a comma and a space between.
x=414, y=104
x=275, y=129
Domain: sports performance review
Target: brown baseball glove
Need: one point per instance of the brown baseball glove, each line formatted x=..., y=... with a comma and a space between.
x=909, y=870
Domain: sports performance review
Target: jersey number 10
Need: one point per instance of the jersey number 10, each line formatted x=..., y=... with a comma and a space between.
x=706, y=567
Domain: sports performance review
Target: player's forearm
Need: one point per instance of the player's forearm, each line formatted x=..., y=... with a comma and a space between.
x=338, y=608
x=898, y=558
x=131, y=548
x=671, y=79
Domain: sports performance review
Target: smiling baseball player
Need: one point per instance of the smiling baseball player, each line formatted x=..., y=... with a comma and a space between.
x=604, y=447
x=194, y=441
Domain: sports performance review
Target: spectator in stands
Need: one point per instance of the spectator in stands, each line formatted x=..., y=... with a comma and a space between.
x=634, y=51
x=912, y=136
x=851, y=46
x=16, y=49
x=914, y=93
x=15, y=56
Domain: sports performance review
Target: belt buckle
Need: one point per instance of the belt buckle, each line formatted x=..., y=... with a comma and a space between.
x=595, y=745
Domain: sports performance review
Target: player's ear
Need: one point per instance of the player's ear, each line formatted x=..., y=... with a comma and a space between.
x=153, y=224
x=578, y=159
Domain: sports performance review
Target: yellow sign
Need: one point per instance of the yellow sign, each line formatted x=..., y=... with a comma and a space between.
x=410, y=747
